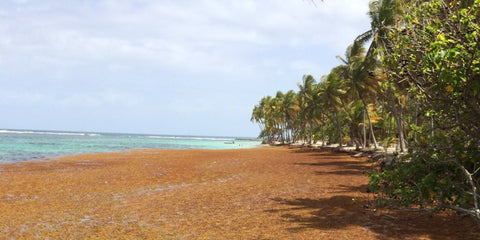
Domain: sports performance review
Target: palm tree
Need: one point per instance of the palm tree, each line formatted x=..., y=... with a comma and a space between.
x=308, y=104
x=291, y=109
x=355, y=115
x=330, y=93
x=277, y=115
x=384, y=15
x=258, y=113
x=263, y=113
x=360, y=81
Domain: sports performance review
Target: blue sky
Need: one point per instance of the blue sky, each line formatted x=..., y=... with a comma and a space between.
x=164, y=67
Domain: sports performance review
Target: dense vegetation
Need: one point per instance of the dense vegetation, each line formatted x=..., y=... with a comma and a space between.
x=416, y=84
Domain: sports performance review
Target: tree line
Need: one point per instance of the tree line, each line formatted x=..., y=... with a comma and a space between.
x=412, y=80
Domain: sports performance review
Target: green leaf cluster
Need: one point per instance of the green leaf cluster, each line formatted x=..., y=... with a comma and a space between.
x=436, y=55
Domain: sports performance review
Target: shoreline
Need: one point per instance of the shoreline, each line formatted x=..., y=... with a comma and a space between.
x=257, y=193
x=72, y=155
x=25, y=145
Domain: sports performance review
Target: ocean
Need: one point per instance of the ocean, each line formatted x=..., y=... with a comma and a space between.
x=24, y=145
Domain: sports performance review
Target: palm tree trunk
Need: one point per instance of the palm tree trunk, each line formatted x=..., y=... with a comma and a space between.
x=416, y=120
x=323, y=131
x=398, y=119
x=364, y=131
x=289, y=132
x=365, y=110
x=339, y=129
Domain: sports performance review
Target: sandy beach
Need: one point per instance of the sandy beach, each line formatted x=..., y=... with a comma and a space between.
x=262, y=193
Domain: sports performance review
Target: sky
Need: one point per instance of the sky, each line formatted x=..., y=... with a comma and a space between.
x=177, y=67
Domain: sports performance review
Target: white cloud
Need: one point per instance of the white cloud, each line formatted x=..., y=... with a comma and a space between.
x=94, y=99
x=305, y=66
x=30, y=99
x=20, y=1
x=99, y=54
x=102, y=99
x=187, y=34
x=190, y=106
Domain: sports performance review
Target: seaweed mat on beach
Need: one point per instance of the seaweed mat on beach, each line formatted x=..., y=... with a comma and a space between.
x=264, y=193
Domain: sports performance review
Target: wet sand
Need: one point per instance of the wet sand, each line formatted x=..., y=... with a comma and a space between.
x=264, y=193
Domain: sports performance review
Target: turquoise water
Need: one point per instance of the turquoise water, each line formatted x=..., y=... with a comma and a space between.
x=22, y=145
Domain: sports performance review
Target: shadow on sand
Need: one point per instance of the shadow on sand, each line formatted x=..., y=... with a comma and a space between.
x=341, y=209
x=341, y=212
x=341, y=167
